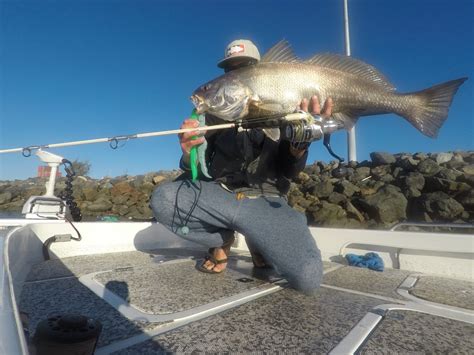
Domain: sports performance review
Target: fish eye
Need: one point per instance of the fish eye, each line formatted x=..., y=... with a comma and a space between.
x=206, y=87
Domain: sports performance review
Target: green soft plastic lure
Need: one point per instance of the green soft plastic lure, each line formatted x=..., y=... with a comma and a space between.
x=198, y=153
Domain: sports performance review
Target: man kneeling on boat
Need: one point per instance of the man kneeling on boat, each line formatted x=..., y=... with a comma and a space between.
x=247, y=193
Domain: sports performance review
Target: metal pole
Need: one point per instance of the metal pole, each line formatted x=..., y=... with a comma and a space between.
x=351, y=136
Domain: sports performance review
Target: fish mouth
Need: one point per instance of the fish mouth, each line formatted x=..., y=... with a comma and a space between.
x=199, y=104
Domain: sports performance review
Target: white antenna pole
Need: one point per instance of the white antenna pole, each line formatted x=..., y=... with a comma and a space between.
x=351, y=136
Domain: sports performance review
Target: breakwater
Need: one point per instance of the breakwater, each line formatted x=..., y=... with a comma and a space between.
x=388, y=189
x=374, y=194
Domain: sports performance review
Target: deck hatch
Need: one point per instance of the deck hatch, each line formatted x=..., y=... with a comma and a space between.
x=172, y=287
x=368, y=281
x=457, y=293
x=402, y=332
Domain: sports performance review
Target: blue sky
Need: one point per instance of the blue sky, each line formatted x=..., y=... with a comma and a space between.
x=73, y=70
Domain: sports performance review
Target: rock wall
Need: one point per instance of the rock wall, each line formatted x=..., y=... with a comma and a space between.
x=373, y=194
x=126, y=197
x=388, y=189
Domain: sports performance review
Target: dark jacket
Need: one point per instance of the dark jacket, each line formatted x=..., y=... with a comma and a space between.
x=250, y=162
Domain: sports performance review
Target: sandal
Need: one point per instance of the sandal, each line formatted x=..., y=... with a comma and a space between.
x=210, y=257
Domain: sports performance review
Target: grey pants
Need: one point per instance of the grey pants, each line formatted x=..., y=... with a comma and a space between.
x=273, y=228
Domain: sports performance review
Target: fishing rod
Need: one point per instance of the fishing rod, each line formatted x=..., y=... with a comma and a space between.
x=268, y=121
x=300, y=127
x=26, y=151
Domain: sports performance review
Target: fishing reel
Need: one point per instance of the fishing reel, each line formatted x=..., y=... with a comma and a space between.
x=301, y=128
x=310, y=130
x=313, y=128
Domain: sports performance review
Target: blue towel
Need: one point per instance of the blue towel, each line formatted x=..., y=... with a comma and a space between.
x=370, y=260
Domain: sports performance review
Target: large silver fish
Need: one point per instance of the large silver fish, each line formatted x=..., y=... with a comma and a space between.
x=278, y=83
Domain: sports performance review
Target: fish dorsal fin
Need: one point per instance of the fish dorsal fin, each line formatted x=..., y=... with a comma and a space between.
x=351, y=65
x=280, y=53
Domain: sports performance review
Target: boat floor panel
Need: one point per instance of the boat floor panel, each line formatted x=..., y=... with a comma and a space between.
x=364, y=280
x=286, y=321
x=404, y=332
x=166, y=282
x=173, y=287
x=457, y=293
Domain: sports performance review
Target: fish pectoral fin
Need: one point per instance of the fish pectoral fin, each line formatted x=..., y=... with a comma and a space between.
x=349, y=118
x=272, y=133
x=254, y=107
x=258, y=108
x=254, y=101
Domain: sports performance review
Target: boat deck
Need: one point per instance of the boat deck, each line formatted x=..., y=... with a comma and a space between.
x=152, y=302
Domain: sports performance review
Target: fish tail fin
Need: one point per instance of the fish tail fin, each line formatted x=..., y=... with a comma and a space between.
x=429, y=108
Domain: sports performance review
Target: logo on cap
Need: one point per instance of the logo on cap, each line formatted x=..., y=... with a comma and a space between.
x=237, y=48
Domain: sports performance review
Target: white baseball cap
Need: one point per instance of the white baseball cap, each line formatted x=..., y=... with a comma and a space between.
x=241, y=48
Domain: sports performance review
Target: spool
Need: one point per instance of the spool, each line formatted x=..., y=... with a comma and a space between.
x=302, y=132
